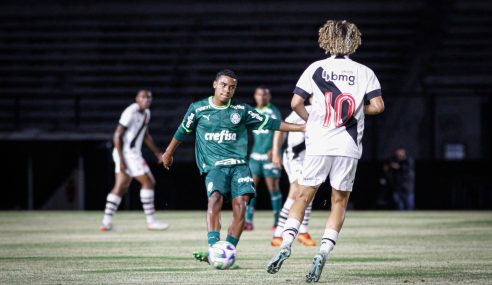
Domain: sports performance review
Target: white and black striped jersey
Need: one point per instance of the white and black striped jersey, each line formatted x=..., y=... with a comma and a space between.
x=340, y=87
x=296, y=144
x=135, y=122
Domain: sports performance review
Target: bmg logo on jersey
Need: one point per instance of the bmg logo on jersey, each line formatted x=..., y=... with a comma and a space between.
x=338, y=77
x=224, y=135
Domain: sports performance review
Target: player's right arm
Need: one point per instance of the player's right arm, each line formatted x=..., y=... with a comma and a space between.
x=298, y=106
x=302, y=91
x=278, y=140
x=117, y=142
x=124, y=122
x=186, y=127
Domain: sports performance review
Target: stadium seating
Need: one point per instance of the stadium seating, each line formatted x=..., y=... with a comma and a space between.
x=67, y=72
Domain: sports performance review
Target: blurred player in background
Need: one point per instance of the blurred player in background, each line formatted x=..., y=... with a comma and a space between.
x=221, y=144
x=130, y=133
x=402, y=169
x=260, y=159
x=343, y=91
x=292, y=160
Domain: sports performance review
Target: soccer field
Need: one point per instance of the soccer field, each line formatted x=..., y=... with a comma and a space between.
x=373, y=248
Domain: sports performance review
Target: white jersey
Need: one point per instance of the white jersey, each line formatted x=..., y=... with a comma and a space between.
x=340, y=87
x=135, y=123
x=296, y=140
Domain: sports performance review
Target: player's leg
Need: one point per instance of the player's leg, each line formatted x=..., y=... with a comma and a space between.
x=273, y=186
x=235, y=230
x=315, y=171
x=147, y=196
x=291, y=227
x=342, y=179
x=255, y=167
x=339, y=202
x=242, y=190
x=303, y=237
x=284, y=213
x=113, y=200
x=296, y=213
x=214, y=207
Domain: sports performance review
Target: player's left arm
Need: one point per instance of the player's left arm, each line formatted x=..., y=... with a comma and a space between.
x=374, y=103
x=255, y=120
x=375, y=106
x=149, y=142
x=297, y=104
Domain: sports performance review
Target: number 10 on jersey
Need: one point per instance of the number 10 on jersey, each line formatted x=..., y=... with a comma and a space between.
x=343, y=109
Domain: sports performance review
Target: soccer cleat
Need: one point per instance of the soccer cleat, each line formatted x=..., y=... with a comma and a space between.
x=105, y=227
x=306, y=239
x=157, y=226
x=316, y=269
x=248, y=227
x=201, y=256
x=276, y=241
x=276, y=262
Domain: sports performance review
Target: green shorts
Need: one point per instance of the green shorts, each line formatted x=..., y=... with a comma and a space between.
x=264, y=168
x=231, y=182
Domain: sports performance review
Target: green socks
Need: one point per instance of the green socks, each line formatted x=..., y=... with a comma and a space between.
x=232, y=240
x=250, y=210
x=213, y=237
x=276, y=198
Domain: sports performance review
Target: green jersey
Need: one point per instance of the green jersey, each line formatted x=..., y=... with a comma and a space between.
x=263, y=139
x=222, y=132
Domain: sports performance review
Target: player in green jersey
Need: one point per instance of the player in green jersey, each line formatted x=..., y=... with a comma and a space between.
x=221, y=141
x=260, y=161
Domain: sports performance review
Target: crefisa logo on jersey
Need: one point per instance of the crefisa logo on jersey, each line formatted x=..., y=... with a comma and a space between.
x=338, y=77
x=224, y=135
x=235, y=118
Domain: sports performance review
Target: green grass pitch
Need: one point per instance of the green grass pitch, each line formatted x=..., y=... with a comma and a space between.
x=373, y=248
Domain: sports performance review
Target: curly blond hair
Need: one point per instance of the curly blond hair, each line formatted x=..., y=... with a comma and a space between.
x=339, y=37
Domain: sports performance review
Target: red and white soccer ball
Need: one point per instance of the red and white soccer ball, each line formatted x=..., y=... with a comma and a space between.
x=222, y=255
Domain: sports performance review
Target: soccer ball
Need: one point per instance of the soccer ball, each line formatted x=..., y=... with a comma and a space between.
x=222, y=255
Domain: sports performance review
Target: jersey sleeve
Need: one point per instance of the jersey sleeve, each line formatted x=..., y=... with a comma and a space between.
x=257, y=121
x=373, y=89
x=188, y=124
x=292, y=118
x=303, y=86
x=126, y=118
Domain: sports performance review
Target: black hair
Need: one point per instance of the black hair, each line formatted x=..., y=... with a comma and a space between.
x=225, y=72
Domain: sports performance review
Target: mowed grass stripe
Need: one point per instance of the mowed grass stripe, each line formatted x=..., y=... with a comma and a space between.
x=373, y=248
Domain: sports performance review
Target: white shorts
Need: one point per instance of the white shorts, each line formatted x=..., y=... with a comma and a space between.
x=135, y=164
x=341, y=169
x=292, y=166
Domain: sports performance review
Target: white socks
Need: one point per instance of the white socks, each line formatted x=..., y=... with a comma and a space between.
x=147, y=199
x=328, y=242
x=291, y=228
x=284, y=214
x=305, y=222
x=112, y=203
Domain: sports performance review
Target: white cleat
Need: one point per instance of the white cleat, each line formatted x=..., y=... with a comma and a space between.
x=157, y=226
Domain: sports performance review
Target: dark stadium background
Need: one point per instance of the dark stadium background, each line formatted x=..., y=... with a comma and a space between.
x=68, y=69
